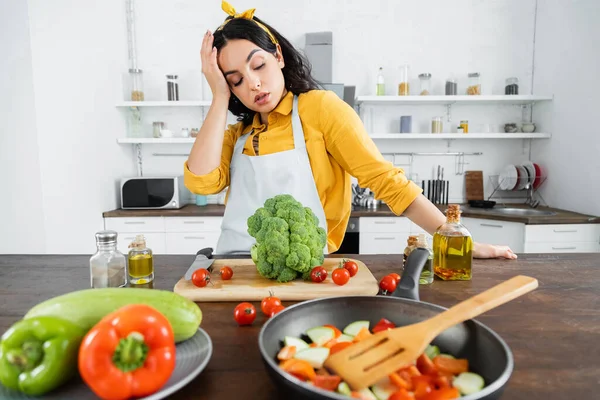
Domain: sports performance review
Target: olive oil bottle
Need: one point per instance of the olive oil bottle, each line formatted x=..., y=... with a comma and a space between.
x=453, y=248
x=141, y=262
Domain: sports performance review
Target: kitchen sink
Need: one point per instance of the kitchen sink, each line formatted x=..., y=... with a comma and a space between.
x=528, y=212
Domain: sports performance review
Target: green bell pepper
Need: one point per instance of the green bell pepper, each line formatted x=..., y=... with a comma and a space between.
x=39, y=354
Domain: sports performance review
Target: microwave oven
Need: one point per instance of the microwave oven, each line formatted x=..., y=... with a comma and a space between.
x=153, y=192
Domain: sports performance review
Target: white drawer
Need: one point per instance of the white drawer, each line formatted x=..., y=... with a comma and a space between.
x=565, y=247
x=501, y=233
x=135, y=224
x=190, y=242
x=193, y=224
x=562, y=233
x=384, y=224
x=155, y=241
x=382, y=243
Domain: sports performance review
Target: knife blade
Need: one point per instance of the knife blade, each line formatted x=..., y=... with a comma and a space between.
x=203, y=260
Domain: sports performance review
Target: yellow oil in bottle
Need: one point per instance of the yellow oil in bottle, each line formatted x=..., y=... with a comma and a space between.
x=453, y=257
x=453, y=248
x=141, y=262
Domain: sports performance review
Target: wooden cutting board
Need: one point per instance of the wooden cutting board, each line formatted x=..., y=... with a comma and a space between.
x=247, y=285
x=474, y=185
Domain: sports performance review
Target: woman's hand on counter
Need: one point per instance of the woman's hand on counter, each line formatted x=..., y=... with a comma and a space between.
x=483, y=250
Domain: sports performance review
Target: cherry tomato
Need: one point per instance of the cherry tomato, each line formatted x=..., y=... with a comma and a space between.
x=388, y=284
x=340, y=276
x=226, y=273
x=201, y=277
x=318, y=274
x=269, y=303
x=351, y=267
x=244, y=314
x=276, y=309
x=395, y=276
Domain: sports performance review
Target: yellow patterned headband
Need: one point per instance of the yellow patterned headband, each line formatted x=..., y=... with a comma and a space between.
x=248, y=14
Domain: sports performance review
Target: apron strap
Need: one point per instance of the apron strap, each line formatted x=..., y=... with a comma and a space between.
x=240, y=143
x=299, y=142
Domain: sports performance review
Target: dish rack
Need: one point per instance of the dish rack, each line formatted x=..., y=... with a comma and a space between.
x=531, y=195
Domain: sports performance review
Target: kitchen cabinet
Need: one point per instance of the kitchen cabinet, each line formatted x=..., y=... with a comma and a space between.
x=383, y=235
x=562, y=238
x=168, y=235
x=503, y=233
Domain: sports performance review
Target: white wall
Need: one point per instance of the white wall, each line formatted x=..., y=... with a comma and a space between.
x=567, y=57
x=79, y=56
x=21, y=197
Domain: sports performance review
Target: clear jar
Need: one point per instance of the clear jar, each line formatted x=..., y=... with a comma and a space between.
x=380, y=91
x=108, y=267
x=453, y=248
x=157, y=126
x=465, y=125
x=134, y=122
x=136, y=83
x=426, y=277
x=474, y=84
x=404, y=86
x=425, y=80
x=141, y=262
x=172, y=88
x=512, y=86
x=410, y=246
x=451, y=87
x=437, y=125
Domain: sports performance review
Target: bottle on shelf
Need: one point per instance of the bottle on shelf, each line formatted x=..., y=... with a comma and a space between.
x=453, y=248
x=380, y=91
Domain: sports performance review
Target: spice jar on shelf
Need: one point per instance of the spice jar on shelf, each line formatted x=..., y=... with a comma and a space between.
x=157, y=126
x=425, y=80
x=108, y=267
x=453, y=248
x=451, y=87
x=474, y=87
x=464, y=124
x=512, y=86
x=437, y=125
x=403, y=86
x=136, y=83
x=172, y=88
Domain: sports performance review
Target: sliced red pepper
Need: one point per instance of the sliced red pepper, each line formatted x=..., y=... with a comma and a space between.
x=400, y=382
x=383, y=325
x=286, y=353
x=451, y=365
x=426, y=366
x=443, y=394
x=327, y=382
x=401, y=394
x=422, y=385
x=339, y=347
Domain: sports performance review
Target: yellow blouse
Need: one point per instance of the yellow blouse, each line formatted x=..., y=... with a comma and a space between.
x=338, y=147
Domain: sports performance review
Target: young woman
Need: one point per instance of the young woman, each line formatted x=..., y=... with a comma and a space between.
x=291, y=138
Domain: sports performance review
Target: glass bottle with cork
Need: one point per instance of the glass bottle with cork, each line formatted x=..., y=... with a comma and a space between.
x=411, y=243
x=453, y=248
x=380, y=91
x=141, y=262
x=426, y=277
x=108, y=267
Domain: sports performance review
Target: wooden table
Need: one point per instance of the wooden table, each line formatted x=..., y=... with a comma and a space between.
x=554, y=332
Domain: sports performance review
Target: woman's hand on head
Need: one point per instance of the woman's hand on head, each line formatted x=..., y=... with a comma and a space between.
x=215, y=78
x=482, y=250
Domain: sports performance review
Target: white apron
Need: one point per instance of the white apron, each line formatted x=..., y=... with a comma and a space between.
x=254, y=179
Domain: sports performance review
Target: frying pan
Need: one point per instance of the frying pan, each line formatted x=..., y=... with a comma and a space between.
x=488, y=354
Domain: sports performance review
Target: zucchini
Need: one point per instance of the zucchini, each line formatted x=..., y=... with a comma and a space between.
x=294, y=341
x=432, y=351
x=468, y=383
x=315, y=356
x=383, y=389
x=320, y=335
x=344, y=389
x=355, y=327
x=86, y=307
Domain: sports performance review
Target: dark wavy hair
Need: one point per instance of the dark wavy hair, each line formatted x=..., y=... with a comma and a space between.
x=297, y=69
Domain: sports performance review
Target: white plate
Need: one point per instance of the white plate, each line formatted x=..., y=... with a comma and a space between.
x=507, y=179
x=191, y=357
x=531, y=169
x=523, y=178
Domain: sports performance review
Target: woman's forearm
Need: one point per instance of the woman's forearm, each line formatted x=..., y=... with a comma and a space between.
x=425, y=214
x=205, y=155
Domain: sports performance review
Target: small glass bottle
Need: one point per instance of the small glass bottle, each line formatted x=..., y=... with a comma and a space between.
x=425, y=80
x=437, y=125
x=451, y=88
x=427, y=272
x=465, y=125
x=453, y=248
x=137, y=84
x=172, y=88
x=380, y=91
x=410, y=246
x=403, y=86
x=512, y=86
x=108, y=267
x=141, y=262
x=474, y=87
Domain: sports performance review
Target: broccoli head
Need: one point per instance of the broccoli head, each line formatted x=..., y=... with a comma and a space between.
x=289, y=240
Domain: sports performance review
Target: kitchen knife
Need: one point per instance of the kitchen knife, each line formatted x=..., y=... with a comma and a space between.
x=203, y=260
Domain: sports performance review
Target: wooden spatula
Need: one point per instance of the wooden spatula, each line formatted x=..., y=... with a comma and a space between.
x=376, y=357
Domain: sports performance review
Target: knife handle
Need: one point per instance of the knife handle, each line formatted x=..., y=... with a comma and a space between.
x=207, y=251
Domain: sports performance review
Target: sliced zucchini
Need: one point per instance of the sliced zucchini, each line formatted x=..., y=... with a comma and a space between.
x=383, y=389
x=447, y=355
x=294, y=341
x=366, y=394
x=315, y=356
x=344, y=338
x=468, y=383
x=432, y=351
x=320, y=335
x=343, y=388
x=355, y=327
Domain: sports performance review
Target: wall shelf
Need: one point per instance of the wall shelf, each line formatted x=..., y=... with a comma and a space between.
x=447, y=100
x=190, y=103
x=460, y=136
x=174, y=140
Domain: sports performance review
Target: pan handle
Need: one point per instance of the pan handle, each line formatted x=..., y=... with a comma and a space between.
x=408, y=287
